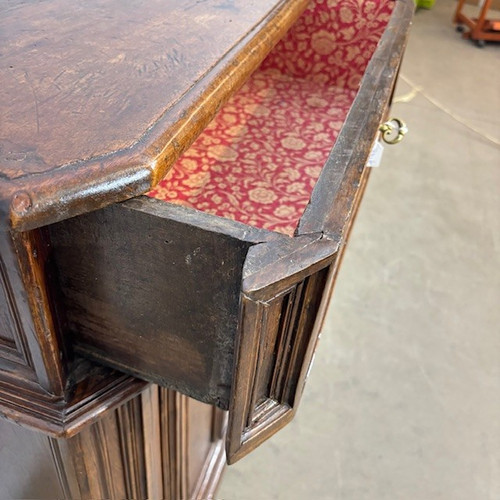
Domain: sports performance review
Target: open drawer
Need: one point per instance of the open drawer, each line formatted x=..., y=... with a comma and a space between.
x=218, y=287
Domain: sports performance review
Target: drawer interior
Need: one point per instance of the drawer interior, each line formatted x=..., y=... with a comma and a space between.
x=259, y=159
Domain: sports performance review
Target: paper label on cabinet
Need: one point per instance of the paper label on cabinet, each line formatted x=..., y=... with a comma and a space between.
x=375, y=155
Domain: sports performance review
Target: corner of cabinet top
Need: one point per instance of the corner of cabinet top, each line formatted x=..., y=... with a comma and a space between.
x=99, y=99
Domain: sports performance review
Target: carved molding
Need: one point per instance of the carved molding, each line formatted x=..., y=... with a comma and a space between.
x=280, y=323
x=13, y=344
x=95, y=391
x=140, y=450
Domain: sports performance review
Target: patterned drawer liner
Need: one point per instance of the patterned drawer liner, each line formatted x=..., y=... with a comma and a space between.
x=258, y=161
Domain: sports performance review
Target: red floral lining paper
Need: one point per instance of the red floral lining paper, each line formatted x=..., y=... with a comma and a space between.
x=258, y=161
x=333, y=41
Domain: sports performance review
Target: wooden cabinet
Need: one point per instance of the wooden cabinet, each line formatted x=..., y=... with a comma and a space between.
x=215, y=285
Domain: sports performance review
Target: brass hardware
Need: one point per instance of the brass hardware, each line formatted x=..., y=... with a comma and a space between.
x=390, y=128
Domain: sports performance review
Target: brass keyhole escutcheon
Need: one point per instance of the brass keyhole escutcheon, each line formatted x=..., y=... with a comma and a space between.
x=393, y=131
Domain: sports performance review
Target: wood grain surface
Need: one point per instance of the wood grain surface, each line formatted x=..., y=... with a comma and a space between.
x=153, y=289
x=97, y=101
x=333, y=200
x=159, y=444
x=99, y=98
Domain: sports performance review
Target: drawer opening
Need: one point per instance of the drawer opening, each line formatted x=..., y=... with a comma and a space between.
x=259, y=159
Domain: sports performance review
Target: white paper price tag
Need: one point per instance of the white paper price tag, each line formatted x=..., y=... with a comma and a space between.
x=375, y=155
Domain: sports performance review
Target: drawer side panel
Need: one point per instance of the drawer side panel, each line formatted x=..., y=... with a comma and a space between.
x=152, y=296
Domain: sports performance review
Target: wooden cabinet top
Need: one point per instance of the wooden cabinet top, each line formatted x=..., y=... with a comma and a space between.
x=99, y=98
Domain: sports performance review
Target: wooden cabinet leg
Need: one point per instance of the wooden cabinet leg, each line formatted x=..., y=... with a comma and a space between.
x=159, y=445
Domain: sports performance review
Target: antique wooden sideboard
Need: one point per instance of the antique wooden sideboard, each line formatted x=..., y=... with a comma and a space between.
x=145, y=340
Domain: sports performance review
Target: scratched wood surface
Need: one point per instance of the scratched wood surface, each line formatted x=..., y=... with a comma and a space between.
x=98, y=98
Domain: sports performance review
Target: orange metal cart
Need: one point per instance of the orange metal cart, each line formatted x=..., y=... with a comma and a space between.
x=481, y=29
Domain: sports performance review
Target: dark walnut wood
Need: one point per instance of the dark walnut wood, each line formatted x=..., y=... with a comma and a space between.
x=98, y=100
x=159, y=444
x=153, y=289
x=220, y=311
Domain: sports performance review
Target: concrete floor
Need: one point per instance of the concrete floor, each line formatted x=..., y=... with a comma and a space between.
x=404, y=399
